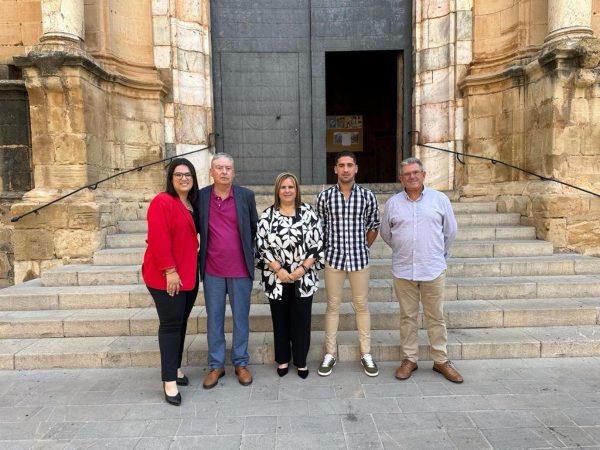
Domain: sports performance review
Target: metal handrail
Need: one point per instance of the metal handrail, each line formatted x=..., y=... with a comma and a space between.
x=497, y=161
x=94, y=186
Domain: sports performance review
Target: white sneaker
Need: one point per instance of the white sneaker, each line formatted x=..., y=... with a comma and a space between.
x=369, y=365
x=327, y=365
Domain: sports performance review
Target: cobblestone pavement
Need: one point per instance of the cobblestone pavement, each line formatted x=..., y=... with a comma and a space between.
x=519, y=403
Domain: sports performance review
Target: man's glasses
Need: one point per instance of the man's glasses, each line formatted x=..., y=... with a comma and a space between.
x=181, y=176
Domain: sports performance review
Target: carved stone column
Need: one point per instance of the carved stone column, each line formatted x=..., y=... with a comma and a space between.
x=62, y=20
x=572, y=18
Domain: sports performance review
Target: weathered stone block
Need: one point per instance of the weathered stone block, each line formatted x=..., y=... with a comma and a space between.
x=162, y=56
x=162, y=30
x=559, y=206
x=190, y=124
x=76, y=243
x=51, y=217
x=33, y=244
x=584, y=237
x=64, y=176
x=160, y=7
x=84, y=217
x=436, y=58
x=434, y=122
x=190, y=88
x=512, y=204
x=553, y=230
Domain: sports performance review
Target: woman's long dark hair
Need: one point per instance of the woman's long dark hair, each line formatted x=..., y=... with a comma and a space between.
x=171, y=189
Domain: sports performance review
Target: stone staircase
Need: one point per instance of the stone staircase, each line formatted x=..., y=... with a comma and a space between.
x=508, y=295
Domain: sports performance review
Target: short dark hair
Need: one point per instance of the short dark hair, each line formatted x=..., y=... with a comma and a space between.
x=345, y=153
x=279, y=180
x=171, y=169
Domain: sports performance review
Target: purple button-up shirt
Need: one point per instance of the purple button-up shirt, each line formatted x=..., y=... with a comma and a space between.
x=224, y=252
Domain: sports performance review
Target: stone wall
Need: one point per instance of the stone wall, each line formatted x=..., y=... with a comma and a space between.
x=20, y=26
x=182, y=54
x=534, y=103
x=135, y=89
x=443, y=51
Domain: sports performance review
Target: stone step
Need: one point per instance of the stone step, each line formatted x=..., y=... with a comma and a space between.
x=460, y=249
x=384, y=316
x=34, y=296
x=558, y=264
x=458, y=207
x=134, y=235
x=142, y=351
x=264, y=201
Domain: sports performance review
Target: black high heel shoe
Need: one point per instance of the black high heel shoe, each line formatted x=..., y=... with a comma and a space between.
x=183, y=381
x=172, y=399
x=303, y=373
x=282, y=371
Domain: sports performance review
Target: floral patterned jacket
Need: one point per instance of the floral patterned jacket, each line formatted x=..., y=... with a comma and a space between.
x=290, y=241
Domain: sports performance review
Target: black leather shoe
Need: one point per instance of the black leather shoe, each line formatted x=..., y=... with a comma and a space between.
x=303, y=373
x=173, y=399
x=183, y=381
x=282, y=371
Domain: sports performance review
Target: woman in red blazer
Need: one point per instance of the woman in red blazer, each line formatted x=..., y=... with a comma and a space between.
x=170, y=268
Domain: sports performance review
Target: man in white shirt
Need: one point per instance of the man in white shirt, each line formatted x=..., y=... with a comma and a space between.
x=419, y=225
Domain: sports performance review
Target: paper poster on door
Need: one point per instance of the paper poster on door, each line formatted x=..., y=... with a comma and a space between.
x=344, y=133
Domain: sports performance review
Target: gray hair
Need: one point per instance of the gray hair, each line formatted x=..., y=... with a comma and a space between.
x=221, y=155
x=412, y=160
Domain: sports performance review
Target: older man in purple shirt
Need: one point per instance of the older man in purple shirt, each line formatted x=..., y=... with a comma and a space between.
x=419, y=225
x=227, y=230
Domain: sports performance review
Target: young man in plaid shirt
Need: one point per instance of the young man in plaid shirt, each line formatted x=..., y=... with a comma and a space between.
x=350, y=217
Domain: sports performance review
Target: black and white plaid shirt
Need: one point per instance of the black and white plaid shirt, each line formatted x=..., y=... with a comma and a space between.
x=345, y=226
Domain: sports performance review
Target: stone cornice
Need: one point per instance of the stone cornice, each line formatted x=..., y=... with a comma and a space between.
x=12, y=85
x=50, y=62
x=567, y=55
x=495, y=81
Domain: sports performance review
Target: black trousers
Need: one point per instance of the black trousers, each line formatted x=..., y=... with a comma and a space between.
x=173, y=314
x=291, y=326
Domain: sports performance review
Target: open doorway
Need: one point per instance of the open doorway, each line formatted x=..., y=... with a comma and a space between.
x=364, y=112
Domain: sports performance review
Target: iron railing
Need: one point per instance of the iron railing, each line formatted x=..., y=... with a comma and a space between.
x=93, y=186
x=497, y=161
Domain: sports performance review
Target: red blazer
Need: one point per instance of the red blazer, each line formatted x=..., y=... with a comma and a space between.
x=172, y=242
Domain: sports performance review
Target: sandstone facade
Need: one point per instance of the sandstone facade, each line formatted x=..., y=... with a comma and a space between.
x=531, y=100
x=112, y=85
x=104, y=97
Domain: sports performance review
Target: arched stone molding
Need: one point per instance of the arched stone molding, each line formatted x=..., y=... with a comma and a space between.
x=443, y=50
x=119, y=35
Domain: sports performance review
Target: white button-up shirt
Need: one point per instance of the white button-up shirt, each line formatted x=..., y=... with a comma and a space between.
x=420, y=233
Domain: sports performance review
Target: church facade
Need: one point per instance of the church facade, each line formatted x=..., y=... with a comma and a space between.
x=92, y=88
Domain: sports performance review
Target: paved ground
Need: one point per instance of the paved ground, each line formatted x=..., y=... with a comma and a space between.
x=523, y=403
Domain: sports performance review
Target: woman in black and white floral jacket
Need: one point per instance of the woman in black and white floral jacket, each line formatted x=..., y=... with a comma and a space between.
x=289, y=240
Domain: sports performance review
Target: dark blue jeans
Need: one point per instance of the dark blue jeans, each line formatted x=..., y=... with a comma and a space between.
x=239, y=291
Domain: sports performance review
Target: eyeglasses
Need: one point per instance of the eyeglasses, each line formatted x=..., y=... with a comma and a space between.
x=180, y=175
x=414, y=173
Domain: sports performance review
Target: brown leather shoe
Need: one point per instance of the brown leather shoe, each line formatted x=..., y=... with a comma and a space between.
x=406, y=369
x=244, y=375
x=449, y=372
x=212, y=378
